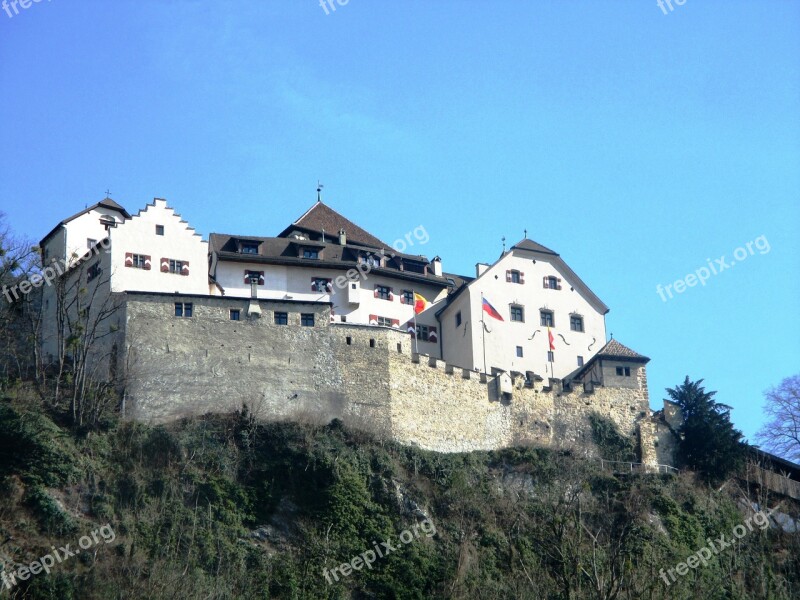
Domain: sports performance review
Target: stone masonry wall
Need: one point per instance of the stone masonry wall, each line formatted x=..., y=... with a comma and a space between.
x=366, y=376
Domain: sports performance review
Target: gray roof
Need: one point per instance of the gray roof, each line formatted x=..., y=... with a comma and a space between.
x=322, y=217
x=284, y=251
x=527, y=244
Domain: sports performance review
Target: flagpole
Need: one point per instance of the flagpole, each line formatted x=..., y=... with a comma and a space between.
x=483, y=335
x=416, y=331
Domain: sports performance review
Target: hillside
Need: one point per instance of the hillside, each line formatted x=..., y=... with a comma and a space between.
x=224, y=507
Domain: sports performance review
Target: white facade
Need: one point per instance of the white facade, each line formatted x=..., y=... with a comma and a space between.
x=147, y=246
x=517, y=281
x=352, y=293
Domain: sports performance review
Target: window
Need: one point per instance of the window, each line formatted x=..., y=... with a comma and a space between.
x=183, y=309
x=517, y=314
x=372, y=342
x=370, y=260
x=311, y=253
x=307, y=319
x=319, y=284
x=235, y=314
x=256, y=277
x=552, y=283
x=514, y=276
x=138, y=261
x=93, y=271
x=519, y=351
x=550, y=356
x=576, y=323
x=423, y=332
x=546, y=318
x=281, y=318
x=349, y=340
x=249, y=248
x=90, y=243
x=383, y=292
x=624, y=371
x=408, y=297
x=176, y=266
x=385, y=321
x=580, y=361
x=458, y=319
x=159, y=230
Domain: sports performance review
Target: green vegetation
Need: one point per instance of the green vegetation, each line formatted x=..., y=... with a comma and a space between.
x=225, y=507
x=709, y=443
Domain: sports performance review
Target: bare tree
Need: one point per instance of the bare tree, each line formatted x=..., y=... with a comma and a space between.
x=781, y=434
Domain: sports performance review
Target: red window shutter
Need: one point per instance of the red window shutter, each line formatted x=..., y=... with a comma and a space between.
x=402, y=298
x=395, y=322
x=391, y=295
x=558, y=287
x=185, y=269
x=147, y=263
x=165, y=265
x=544, y=281
x=508, y=276
x=521, y=277
x=261, y=278
x=313, y=285
x=373, y=319
x=246, y=276
x=432, y=335
x=376, y=292
x=129, y=259
x=411, y=329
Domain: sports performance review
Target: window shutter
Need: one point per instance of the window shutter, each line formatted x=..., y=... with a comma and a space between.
x=129, y=259
x=246, y=276
x=521, y=277
x=432, y=335
x=391, y=295
x=328, y=286
x=544, y=281
x=373, y=319
x=165, y=265
x=185, y=269
x=261, y=278
x=395, y=322
x=147, y=263
x=558, y=287
x=402, y=298
x=508, y=276
x=313, y=285
x=411, y=330
x=376, y=292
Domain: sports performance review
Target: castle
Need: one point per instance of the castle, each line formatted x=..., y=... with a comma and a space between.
x=327, y=321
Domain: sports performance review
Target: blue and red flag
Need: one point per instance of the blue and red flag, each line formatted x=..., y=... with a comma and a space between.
x=488, y=308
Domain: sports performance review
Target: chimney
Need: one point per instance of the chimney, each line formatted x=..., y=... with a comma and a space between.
x=480, y=269
x=436, y=263
x=342, y=238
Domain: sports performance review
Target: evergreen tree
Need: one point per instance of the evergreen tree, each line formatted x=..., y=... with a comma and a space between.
x=709, y=444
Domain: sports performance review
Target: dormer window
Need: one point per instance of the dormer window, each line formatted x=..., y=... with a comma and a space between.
x=249, y=247
x=320, y=284
x=370, y=260
x=311, y=253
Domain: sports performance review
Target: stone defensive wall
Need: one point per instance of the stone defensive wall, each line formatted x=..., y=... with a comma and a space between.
x=369, y=377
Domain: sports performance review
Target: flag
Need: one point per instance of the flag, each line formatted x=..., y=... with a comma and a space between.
x=488, y=308
x=551, y=338
x=419, y=303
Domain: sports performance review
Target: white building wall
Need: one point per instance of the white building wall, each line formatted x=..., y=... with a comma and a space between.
x=71, y=241
x=349, y=305
x=179, y=242
x=503, y=337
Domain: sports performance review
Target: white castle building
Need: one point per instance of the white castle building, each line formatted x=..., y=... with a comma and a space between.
x=544, y=321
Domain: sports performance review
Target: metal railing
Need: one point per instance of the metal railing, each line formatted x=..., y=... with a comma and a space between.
x=621, y=467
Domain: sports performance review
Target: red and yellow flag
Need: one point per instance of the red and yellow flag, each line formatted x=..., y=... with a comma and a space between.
x=420, y=303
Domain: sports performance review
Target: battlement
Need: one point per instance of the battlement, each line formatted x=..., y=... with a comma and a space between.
x=370, y=377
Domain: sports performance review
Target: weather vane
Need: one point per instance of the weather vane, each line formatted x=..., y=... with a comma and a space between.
x=319, y=191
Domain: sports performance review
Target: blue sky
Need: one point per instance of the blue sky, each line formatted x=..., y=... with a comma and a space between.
x=635, y=143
